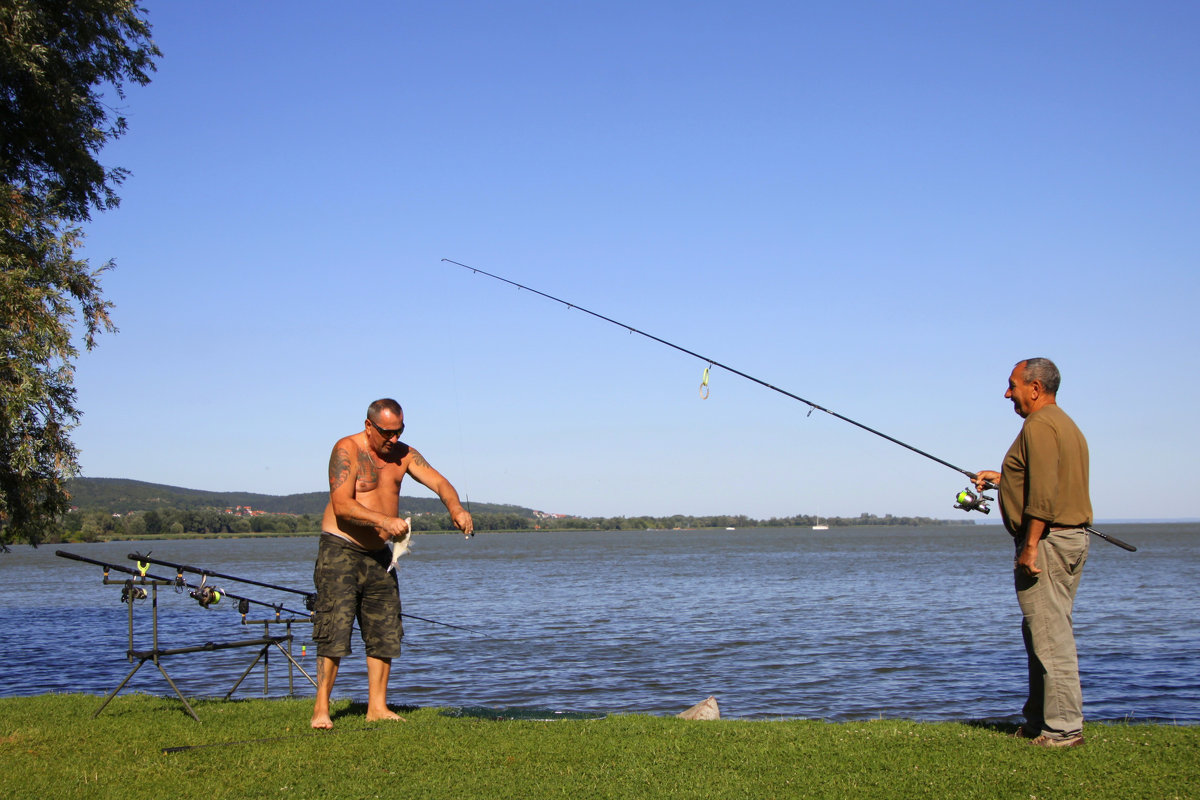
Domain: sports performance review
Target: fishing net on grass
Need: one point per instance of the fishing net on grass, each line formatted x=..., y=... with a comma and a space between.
x=523, y=713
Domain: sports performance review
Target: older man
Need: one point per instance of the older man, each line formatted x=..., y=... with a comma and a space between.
x=351, y=575
x=1046, y=507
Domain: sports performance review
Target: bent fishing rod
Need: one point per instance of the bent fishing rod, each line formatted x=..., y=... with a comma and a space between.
x=712, y=362
x=967, y=500
x=310, y=598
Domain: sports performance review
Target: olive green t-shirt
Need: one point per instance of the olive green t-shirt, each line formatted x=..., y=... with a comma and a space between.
x=1045, y=473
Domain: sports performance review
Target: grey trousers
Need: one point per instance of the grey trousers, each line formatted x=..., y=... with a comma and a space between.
x=1055, y=704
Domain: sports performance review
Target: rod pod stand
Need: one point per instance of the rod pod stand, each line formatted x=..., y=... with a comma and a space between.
x=156, y=652
x=143, y=562
x=264, y=655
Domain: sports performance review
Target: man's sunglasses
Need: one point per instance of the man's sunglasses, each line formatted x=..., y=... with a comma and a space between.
x=385, y=433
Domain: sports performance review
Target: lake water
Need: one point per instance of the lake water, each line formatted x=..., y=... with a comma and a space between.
x=851, y=623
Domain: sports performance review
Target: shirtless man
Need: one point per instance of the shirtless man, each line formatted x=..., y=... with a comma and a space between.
x=365, y=471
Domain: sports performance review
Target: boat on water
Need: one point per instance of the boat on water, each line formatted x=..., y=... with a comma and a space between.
x=820, y=527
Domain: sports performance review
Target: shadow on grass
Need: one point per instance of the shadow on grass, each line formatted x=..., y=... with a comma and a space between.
x=357, y=709
x=1006, y=727
x=350, y=712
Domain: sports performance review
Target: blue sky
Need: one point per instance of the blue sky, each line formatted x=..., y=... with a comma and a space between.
x=877, y=206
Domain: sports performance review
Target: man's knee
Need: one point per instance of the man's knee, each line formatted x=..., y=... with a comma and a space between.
x=382, y=646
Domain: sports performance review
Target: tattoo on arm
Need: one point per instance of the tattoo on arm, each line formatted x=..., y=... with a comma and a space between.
x=339, y=468
x=418, y=460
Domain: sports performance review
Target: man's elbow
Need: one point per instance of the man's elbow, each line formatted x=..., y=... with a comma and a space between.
x=341, y=507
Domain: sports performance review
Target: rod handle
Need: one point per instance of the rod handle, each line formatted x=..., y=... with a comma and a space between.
x=1113, y=540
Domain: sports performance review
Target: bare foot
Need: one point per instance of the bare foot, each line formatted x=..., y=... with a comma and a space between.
x=387, y=713
x=322, y=722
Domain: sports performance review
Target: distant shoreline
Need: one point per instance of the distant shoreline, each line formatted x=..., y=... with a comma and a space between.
x=833, y=530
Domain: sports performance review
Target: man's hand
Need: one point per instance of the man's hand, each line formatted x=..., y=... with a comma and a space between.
x=1027, y=561
x=1035, y=529
x=393, y=528
x=985, y=477
x=462, y=520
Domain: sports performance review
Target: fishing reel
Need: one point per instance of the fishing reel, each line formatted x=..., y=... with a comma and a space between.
x=969, y=501
x=206, y=595
x=131, y=592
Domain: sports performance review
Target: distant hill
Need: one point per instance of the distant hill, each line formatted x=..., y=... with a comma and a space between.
x=120, y=496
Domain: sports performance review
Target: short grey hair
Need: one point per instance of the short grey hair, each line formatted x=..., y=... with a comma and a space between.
x=383, y=404
x=1044, y=372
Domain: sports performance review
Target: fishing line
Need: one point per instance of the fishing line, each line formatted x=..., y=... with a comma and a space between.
x=461, y=449
x=968, y=501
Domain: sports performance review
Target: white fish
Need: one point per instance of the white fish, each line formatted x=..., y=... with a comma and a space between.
x=401, y=546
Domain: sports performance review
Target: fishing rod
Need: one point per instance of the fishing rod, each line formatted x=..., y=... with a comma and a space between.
x=204, y=594
x=967, y=500
x=446, y=624
x=310, y=598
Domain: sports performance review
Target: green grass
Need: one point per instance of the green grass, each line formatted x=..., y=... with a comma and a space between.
x=50, y=747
